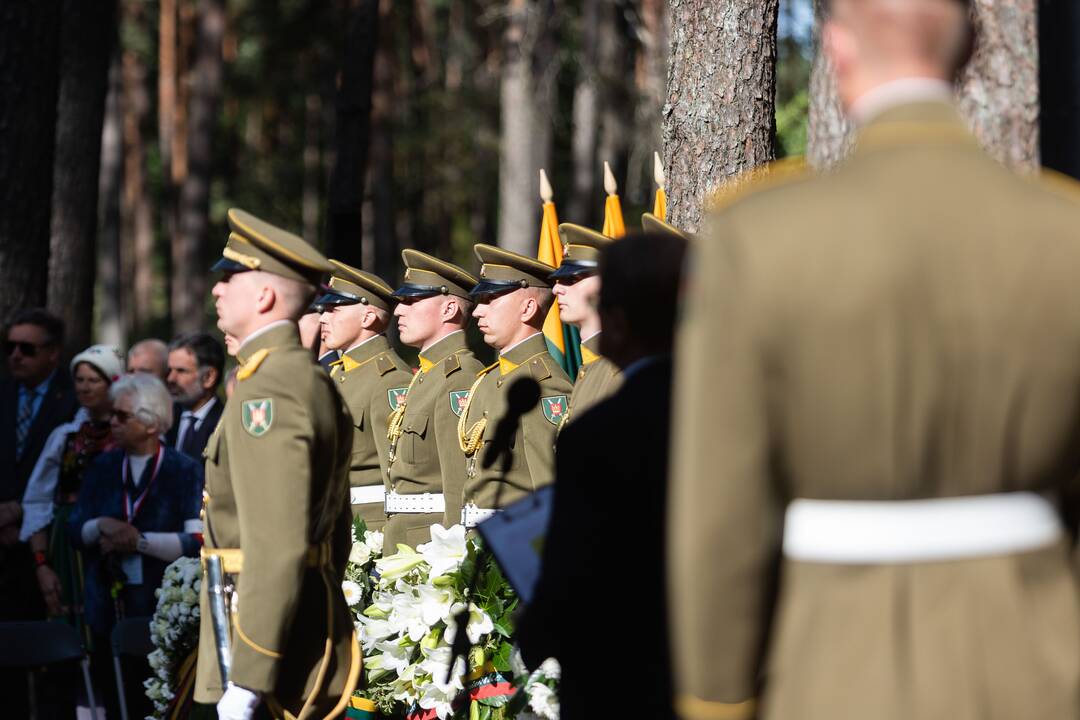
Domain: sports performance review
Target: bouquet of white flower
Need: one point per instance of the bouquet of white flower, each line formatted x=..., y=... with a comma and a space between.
x=406, y=618
x=174, y=632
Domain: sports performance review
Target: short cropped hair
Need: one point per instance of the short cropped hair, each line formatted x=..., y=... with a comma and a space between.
x=150, y=400
x=207, y=350
x=640, y=274
x=42, y=318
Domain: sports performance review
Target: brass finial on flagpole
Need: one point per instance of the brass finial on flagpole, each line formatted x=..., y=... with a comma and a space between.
x=658, y=171
x=610, y=186
x=546, y=193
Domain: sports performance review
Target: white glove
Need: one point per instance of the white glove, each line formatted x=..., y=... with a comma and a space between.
x=237, y=703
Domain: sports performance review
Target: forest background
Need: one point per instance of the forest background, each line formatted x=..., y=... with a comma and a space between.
x=128, y=127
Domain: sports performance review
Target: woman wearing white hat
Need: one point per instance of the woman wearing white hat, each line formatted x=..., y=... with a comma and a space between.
x=54, y=484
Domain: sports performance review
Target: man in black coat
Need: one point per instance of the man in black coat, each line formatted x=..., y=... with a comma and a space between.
x=599, y=606
x=195, y=369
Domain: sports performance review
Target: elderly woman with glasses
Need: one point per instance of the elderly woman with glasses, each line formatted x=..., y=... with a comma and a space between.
x=137, y=512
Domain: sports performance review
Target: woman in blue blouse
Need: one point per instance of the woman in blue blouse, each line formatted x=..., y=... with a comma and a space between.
x=137, y=512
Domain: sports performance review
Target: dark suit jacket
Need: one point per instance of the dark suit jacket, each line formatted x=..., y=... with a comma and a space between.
x=195, y=443
x=174, y=497
x=604, y=549
x=58, y=406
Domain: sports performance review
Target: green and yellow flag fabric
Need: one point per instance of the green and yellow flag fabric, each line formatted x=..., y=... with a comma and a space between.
x=563, y=341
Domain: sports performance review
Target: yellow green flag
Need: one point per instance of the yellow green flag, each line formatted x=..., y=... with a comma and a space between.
x=613, y=219
x=563, y=341
x=660, y=203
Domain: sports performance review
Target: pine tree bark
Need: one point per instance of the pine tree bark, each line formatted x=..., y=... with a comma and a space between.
x=29, y=37
x=997, y=93
x=86, y=39
x=353, y=127
x=583, y=203
x=111, y=327
x=189, y=283
x=383, y=244
x=719, y=118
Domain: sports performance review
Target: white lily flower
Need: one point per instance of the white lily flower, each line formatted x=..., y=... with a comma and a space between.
x=435, y=603
x=352, y=592
x=407, y=618
x=437, y=662
x=373, y=631
x=544, y=702
x=480, y=624
x=396, y=655
x=446, y=551
x=433, y=697
x=551, y=669
x=404, y=688
x=399, y=564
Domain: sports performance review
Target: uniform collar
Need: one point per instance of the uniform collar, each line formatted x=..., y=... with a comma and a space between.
x=590, y=349
x=899, y=93
x=517, y=354
x=275, y=334
x=916, y=123
x=366, y=350
x=442, y=349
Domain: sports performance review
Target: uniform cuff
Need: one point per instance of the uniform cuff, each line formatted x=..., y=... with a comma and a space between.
x=689, y=707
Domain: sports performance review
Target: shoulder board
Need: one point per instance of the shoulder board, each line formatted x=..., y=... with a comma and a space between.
x=488, y=369
x=252, y=365
x=451, y=365
x=539, y=369
x=758, y=179
x=384, y=364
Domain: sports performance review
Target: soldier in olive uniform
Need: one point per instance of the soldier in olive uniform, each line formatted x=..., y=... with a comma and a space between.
x=370, y=376
x=276, y=507
x=512, y=300
x=427, y=476
x=577, y=288
x=877, y=389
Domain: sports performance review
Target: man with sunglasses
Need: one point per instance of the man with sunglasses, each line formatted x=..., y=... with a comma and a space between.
x=426, y=473
x=577, y=290
x=276, y=508
x=512, y=300
x=370, y=376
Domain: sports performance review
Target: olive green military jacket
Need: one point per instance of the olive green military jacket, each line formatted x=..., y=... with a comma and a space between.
x=373, y=379
x=907, y=326
x=427, y=456
x=276, y=508
x=533, y=447
x=598, y=378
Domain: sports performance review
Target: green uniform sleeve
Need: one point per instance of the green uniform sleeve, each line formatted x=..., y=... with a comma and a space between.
x=724, y=513
x=272, y=484
x=539, y=435
x=378, y=416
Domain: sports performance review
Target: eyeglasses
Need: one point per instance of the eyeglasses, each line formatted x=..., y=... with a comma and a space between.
x=122, y=416
x=26, y=349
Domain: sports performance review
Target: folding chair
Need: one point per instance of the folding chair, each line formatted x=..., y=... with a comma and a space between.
x=130, y=637
x=31, y=645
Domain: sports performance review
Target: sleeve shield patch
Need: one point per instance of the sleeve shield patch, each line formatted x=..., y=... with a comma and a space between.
x=458, y=400
x=395, y=396
x=554, y=408
x=257, y=416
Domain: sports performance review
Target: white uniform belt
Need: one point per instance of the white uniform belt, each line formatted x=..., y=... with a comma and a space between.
x=367, y=494
x=471, y=516
x=423, y=503
x=908, y=531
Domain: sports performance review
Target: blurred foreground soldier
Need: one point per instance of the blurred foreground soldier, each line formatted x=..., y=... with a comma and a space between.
x=426, y=473
x=276, y=504
x=577, y=289
x=512, y=299
x=877, y=390
x=621, y=440
x=149, y=356
x=370, y=376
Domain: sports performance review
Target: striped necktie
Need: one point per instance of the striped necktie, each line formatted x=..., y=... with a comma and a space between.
x=24, y=420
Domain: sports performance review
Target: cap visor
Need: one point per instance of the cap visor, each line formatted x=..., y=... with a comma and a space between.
x=489, y=287
x=571, y=269
x=333, y=299
x=416, y=291
x=229, y=266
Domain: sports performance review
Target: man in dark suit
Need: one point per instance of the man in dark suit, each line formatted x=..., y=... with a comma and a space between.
x=196, y=364
x=610, y=486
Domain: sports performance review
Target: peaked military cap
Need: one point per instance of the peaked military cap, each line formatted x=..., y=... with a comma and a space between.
x=652, y=224
x=581, y=251
x=349, y=286
x=255, y=244
x=426, y=276
x=502, y=271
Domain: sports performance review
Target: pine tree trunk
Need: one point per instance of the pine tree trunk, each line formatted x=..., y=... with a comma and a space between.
x=353, y=127
x=998, y=92
x=29, y=37
x=309, y=201
x=616, y=98
x=86, y=39
x=110, y=316
x=719, y=116
x=189, y=250
x=583, y=204
x=383, y=239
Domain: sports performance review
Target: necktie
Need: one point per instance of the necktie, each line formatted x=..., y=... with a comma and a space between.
x=187, y=420
x=24, y=420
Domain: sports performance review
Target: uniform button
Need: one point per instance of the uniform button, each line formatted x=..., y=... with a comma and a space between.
x=409, y=428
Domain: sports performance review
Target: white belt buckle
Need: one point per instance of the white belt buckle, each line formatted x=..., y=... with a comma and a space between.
x=367, y=494
x=414, y=504
x=471, y=516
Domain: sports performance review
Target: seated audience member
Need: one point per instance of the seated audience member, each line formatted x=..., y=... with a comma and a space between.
x=149, y=356
x=610, y=484
x=57, y=478
x=137, y=512
x=196, y=363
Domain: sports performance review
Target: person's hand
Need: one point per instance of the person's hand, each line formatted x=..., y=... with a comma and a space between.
x=49, y=583
x=117, y=536
x=237, y=703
